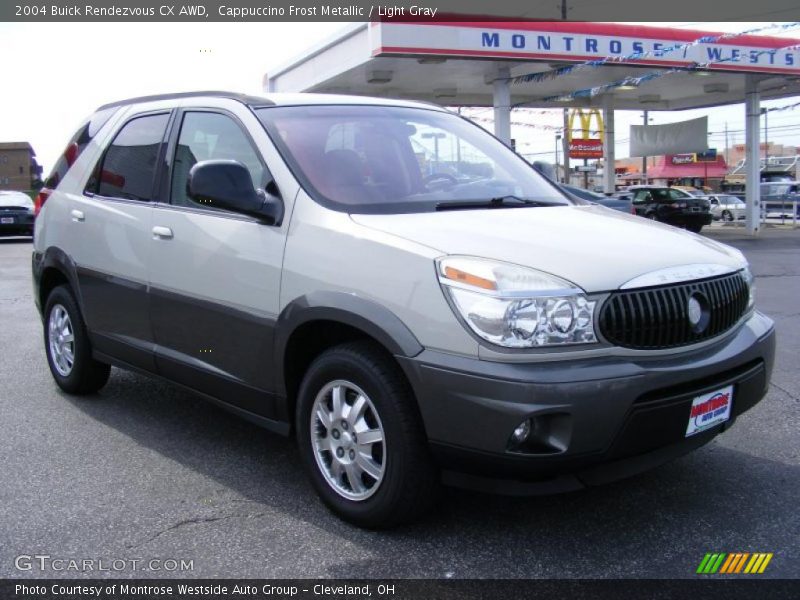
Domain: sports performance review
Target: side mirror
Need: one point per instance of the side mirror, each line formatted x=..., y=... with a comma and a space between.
x=227, y=184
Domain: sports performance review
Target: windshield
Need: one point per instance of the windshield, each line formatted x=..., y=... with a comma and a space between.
x=384, y=159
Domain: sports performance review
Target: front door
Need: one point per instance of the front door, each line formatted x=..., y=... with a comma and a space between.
x=215, y=275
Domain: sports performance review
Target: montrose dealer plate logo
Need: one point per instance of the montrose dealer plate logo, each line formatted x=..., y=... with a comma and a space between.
x=709, y=410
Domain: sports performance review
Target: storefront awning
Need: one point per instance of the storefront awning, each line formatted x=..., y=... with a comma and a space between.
x=676, y=167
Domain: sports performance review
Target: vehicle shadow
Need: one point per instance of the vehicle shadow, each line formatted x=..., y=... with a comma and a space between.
x=658, y=524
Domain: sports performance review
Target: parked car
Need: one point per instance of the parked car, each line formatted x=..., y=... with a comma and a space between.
x=780, y=199
x=608, y=201
x=726, y=207
x=16, y=213
x=672, y=206
x=289, y=259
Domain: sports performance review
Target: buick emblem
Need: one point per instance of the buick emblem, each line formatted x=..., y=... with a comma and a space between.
x=697, y=312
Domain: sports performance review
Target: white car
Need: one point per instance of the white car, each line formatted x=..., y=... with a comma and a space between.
x=297, y=260
x=16, y=213
x=725, y=207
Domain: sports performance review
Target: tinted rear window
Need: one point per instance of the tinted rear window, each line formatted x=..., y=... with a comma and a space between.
x=79, y=141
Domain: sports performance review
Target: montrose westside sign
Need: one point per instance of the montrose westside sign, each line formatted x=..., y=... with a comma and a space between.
x=544, y=40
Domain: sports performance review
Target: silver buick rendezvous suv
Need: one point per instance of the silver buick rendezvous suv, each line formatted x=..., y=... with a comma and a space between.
x=394, y=287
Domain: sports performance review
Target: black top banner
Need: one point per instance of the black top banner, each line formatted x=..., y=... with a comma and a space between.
x=420, y=10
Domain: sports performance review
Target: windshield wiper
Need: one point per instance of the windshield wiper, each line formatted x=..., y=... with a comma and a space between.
x=508, y=201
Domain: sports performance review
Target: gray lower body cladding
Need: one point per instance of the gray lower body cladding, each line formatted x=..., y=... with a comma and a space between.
x=594, y=420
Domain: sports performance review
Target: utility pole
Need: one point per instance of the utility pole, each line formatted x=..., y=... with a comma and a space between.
x=644, y=158
x=726, y=143
x=558, y=139
x=765, y=112
x=565, y=140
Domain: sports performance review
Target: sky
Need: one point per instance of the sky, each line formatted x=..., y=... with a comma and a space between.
x=55, y=74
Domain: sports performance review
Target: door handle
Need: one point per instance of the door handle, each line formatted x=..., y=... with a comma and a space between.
x=77, y=215
x=163, y=233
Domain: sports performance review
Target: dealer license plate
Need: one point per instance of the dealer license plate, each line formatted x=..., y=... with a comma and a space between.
x=7, y=220
x=709, y=410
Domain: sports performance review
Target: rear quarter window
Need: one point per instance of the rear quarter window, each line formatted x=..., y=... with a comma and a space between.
x=86, y=132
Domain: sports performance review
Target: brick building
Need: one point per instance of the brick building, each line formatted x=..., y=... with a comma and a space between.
x=18, y=167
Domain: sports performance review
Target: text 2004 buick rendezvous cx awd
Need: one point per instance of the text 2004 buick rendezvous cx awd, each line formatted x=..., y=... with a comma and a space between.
x=396, y=288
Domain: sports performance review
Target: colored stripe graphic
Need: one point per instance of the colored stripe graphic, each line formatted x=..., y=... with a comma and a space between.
x=734, y=562
x=764, y=564
x=740, y=563
x=751, y=564
x=703, y=563
x=729, y=563
x=718, y=563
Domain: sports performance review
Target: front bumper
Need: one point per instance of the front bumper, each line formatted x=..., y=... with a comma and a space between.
x=21, y=223
x=600, y=419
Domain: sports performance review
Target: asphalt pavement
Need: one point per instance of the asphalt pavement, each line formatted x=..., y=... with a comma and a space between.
x=144, y=471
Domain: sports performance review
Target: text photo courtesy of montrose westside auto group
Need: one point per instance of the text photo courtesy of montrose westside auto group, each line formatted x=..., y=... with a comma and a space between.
x=403, y=300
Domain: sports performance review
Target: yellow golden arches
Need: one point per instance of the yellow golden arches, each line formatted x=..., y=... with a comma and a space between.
x=586, y=123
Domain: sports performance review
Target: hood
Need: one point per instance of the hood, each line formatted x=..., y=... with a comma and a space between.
x=594, y=247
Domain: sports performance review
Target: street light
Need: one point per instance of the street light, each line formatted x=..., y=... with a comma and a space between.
x=558, y=139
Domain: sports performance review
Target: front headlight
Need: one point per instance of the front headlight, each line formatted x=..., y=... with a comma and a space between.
x=747, y=275
x=517, y=307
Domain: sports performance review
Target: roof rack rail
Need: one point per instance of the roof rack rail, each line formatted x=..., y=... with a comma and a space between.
x=243, y=98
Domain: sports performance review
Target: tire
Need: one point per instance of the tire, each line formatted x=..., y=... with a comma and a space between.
x=399, y=479
x=652, y=216
x=83, y=375
x=727, y=216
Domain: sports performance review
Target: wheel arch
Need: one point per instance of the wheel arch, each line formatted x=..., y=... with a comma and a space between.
x=312, y=323
x=53, y=268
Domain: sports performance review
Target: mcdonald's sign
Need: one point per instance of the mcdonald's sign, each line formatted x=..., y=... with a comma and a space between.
x=585, y=146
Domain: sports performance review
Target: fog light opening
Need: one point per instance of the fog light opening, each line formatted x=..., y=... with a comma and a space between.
x=521, y=433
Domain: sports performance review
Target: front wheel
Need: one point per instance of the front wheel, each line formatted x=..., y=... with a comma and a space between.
x=361, y=438
x=66, y=343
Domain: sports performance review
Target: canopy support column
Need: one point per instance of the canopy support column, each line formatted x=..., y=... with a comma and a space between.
x=609, y=160
x=752, y=105
x=502, y=105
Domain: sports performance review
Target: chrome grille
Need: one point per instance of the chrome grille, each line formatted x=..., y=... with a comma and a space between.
x=657, y=317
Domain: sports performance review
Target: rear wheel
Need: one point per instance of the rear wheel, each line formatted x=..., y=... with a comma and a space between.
x=727, y=216
x=362, y=439
x=66, y=343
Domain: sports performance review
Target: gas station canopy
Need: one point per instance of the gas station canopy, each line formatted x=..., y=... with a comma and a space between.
x=457, y=62
x=512, y=63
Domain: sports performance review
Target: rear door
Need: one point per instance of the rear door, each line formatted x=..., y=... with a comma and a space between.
x=111, y=225
x=214, y=274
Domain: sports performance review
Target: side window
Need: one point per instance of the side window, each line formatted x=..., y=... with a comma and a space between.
x=211, y=136
x=640, y=197
x=128, y=166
